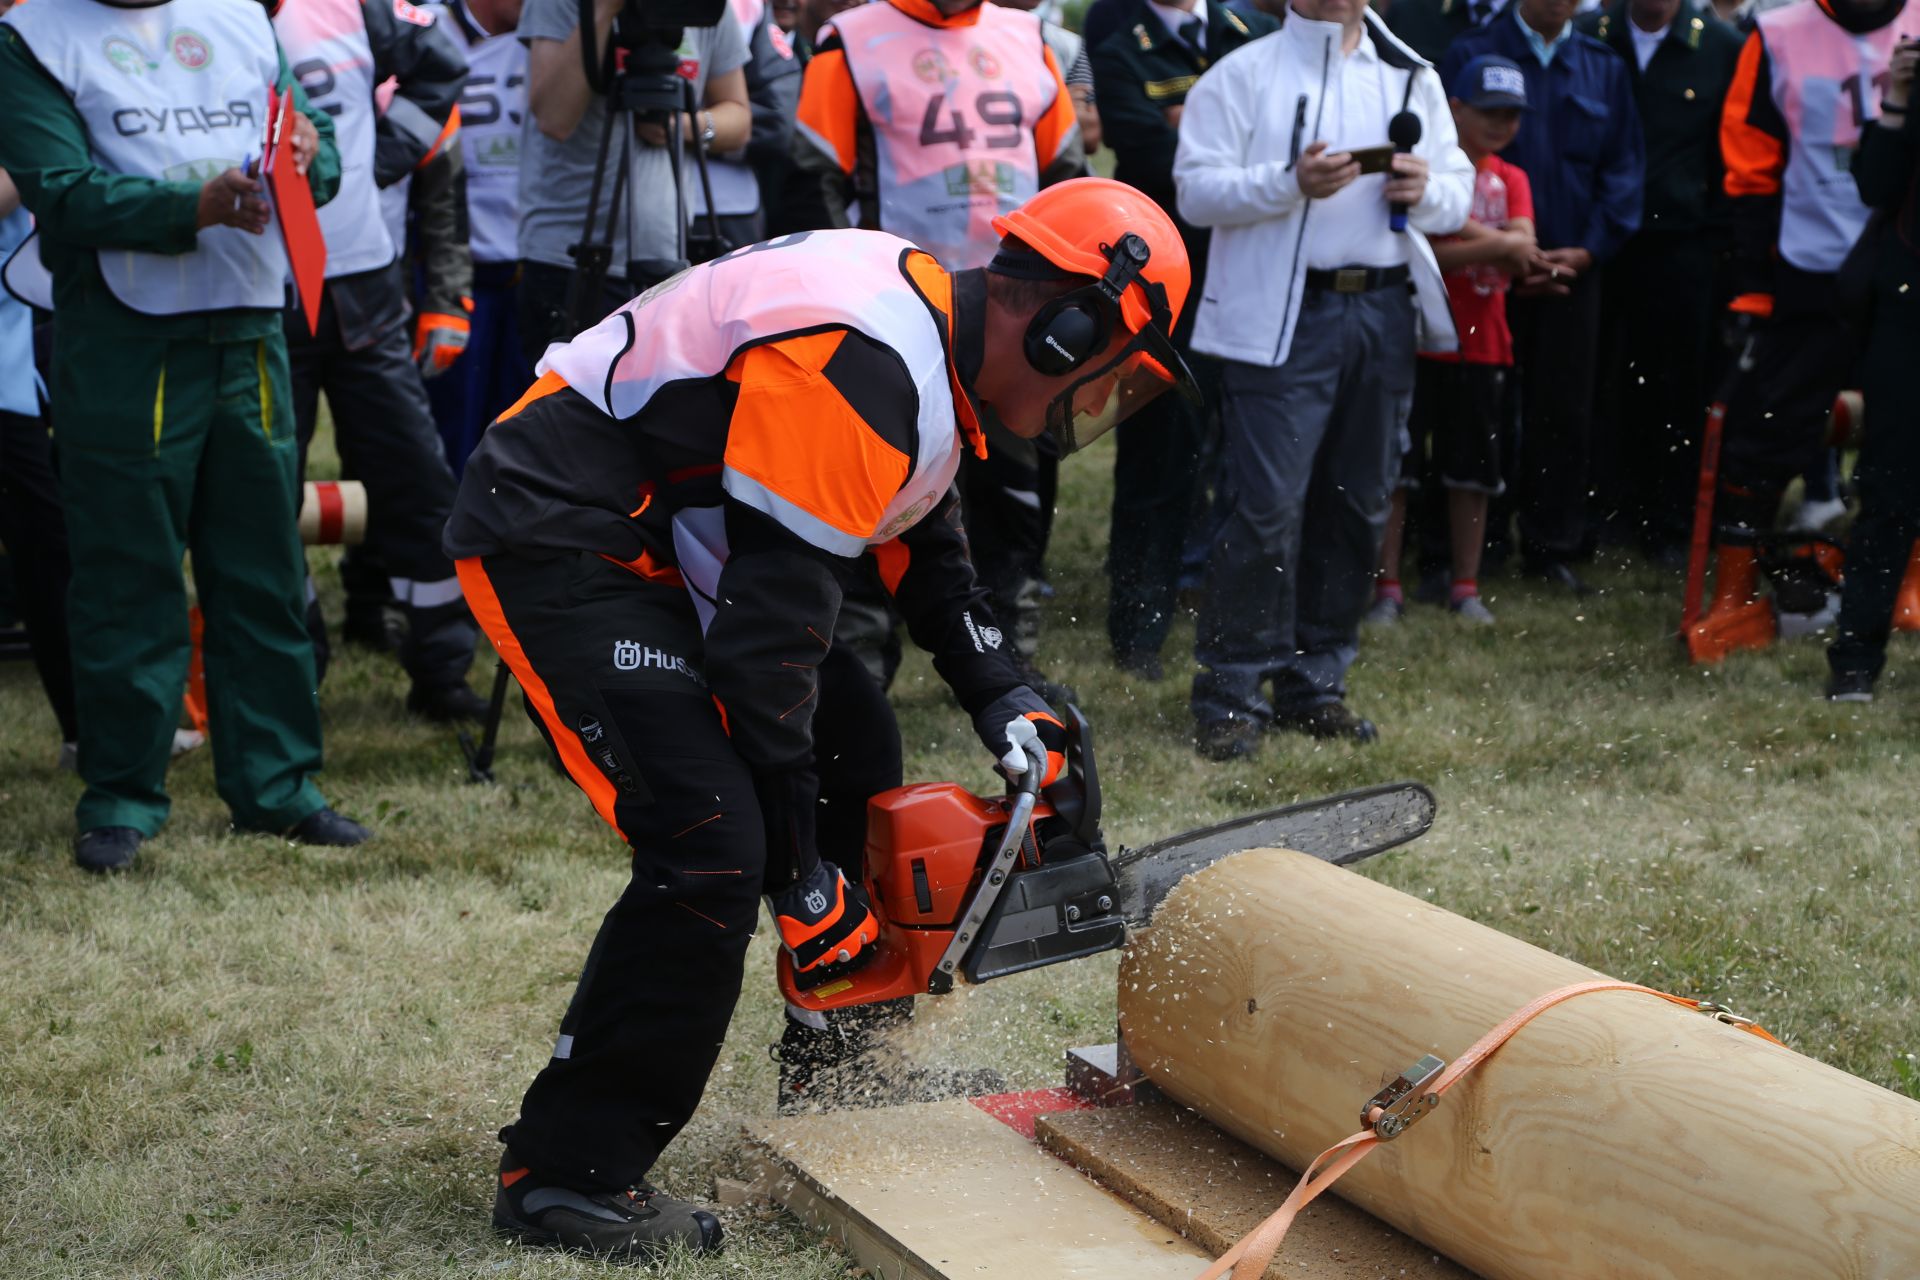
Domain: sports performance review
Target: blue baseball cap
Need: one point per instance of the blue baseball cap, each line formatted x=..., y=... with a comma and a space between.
x=1491, y=82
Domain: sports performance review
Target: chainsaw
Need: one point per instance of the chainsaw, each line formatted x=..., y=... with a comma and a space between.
x=968, y=888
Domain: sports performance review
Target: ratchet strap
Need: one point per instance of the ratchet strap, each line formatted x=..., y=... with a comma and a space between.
x=1389, y=1113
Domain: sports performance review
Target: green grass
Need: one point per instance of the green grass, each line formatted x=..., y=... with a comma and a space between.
x=251, y=1059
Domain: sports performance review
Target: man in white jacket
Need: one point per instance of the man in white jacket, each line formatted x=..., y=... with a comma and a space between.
x=1317, y=305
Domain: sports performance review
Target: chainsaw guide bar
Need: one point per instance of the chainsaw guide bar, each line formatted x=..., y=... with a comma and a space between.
x=1344, y=829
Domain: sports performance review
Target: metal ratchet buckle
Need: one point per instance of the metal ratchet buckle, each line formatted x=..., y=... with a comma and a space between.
x=1350, y=280
x=1392, y=1111
x=1720, y=1013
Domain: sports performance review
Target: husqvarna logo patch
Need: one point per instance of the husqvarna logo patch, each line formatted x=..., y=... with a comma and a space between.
x=816, y=902
x=631, y=655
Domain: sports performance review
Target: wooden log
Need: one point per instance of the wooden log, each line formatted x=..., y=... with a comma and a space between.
x=333, y=511
x=1617, y=1137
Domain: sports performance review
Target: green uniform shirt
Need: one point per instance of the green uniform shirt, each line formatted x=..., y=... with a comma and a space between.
x=1679, y=96
x=80, y=208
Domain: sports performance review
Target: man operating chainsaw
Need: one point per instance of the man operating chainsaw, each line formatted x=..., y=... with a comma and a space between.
x=654, y=539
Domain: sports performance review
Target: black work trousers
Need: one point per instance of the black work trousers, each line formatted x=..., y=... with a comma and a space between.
x=1803, y=356
x=35, y=533
x=383, y=428
x=1658, y=341
x=1555, y=344
x=611, y=668
x=1158, y=458
x=1887, y=475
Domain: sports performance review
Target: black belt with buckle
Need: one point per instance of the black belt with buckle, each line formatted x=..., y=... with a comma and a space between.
x=1357, y=279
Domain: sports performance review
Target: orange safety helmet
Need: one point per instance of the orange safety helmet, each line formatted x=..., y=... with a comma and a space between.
x=1133, y=255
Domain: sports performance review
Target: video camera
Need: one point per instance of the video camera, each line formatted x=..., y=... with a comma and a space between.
x=640, y=70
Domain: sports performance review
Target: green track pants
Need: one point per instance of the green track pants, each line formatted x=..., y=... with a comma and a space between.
x=168, y=446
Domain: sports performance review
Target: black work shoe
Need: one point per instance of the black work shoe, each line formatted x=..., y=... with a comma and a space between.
x=1328, y=720
x=326, y=828
x=1848, y=686
x=105, y=849
x=447, y=703
x=379, y=630
x=1559, y=574
x=1143, y=664
x=639, y=1222
x=1226, y=739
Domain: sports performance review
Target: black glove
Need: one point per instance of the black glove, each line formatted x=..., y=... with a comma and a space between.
x=1016, y=721
x=826, y=924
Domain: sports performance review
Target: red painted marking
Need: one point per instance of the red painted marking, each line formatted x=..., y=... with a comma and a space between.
x=1018, y=1111
x=333, y=511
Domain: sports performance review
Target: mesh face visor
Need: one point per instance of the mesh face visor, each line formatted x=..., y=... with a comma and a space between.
x=1102, y=399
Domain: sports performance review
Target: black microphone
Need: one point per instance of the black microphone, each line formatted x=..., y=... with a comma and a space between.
x=1403, y=131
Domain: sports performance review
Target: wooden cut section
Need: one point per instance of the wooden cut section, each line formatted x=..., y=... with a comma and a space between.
x=1616, y=1137
x=1214, y=1189
x=943, y=1191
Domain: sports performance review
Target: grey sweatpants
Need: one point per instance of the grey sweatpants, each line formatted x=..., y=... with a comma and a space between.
x=1312, y=449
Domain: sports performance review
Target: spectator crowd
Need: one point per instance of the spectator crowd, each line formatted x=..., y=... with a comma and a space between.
x=1479, y=285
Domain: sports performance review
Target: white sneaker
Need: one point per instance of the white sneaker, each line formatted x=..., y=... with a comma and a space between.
x=1472, y=609
x=1816, y=515
x=1386, y=612
x=185, y=740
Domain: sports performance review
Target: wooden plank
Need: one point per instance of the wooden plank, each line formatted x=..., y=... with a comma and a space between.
x=943, y=1191
x=1214, y=1189
x=1616, y=1137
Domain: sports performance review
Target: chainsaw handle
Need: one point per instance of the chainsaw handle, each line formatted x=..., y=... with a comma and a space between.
x=1029, y=784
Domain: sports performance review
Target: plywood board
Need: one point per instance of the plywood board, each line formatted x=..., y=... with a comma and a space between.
x=1213, y=1188
x=943, y=1191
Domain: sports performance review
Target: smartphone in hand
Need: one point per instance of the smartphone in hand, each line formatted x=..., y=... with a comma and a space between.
x=1374, y=159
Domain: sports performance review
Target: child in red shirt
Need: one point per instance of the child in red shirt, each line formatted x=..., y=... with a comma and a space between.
x=1458, y=396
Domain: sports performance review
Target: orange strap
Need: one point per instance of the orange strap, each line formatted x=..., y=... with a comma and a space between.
x=1248, y=1259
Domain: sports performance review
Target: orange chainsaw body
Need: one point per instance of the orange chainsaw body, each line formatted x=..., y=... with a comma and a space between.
x=927, y=847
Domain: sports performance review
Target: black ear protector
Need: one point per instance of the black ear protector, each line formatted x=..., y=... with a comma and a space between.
x=1076, y=326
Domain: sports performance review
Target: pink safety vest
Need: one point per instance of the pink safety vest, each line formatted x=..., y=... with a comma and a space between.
x=952, y=111
x=1826, y=83
x=692, y=326
x=326, y=45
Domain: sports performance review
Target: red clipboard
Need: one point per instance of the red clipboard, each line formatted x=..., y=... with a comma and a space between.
x=293, y=209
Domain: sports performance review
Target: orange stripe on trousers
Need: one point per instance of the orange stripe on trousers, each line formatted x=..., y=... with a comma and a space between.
x=493, y=620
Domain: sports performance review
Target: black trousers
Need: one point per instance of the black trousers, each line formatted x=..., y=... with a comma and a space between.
x=34, y=530
x=1158, y=456
x=1777, y=416
x=1887, y=474
x=384, y=430
x=1555, y=341
x=1658, y=328
x=611, y=668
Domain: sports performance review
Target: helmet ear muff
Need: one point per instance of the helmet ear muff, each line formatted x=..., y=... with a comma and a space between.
x=1068, y=331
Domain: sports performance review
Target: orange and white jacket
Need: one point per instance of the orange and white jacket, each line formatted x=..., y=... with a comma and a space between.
x=1803, y=91
x=745, y=432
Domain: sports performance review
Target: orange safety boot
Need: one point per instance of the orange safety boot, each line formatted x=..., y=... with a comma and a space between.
x=1906, y=606
x=1737, y=618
